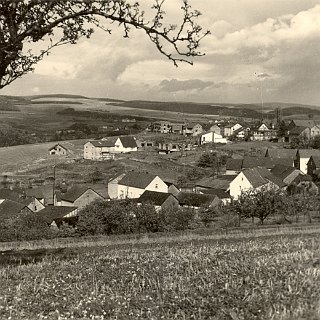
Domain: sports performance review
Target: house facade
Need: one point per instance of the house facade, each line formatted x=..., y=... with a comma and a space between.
x=303, y=157
x=79, y=197
x=212, y=137
x=254, y=179
x=229, y=130
x=133, y=184
x=58, y=150
x=160, y=200
x=99, y=150
x=215, y=128
x=263, y=133
x=125, y=145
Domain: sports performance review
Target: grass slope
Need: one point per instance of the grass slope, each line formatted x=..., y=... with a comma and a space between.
x=265, y=278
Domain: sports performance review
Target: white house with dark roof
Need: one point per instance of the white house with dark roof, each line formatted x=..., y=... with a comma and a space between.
x=125, y=144
x=133, y=184
x=303, y=157
x=58, y=150
x=254, y=179
x=212, y=137
x=230, y=129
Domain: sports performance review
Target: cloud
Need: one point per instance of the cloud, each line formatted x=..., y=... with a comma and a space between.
x=175, y=85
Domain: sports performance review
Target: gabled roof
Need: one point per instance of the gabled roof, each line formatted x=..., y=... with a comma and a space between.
x=35, y=192
x=252, y=162
x=195, y=199
x=234, y=164
x=156, y=198
x=297, y=130
x=56, y=145
x=75, y=192
x=221, y=194
x=281, y=153
x=9, y=208
x=51, y=213
x=220, y=182
x=137, y=179
x=102, y=143
x=302, y=178
x=307, y=153
x=282, y=171
x=305, y=123
x=316, y=161
x=128, y=142
x=260, y=176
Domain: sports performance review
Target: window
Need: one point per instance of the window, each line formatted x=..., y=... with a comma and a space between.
x=156, y=186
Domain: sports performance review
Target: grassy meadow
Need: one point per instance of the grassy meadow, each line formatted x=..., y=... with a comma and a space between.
x=265, y=277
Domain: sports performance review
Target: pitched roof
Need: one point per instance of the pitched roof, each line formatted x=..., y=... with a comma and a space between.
x=221, y=194
x=128, y=142
x=220, y=182
x=234, y=164
x=316, y=161
x=305, y=123
x=307, y=153
x=51, y=213
x=195, y=199
x=302, y=178
x=56, y=145
x=9, y=208
x=102, y=143
x=156, y=198
x=260, y=176
x=282, y=171
x=297, y=130
x=75, y=192
x=281, y=153
x=137, y=179
x=251, y=162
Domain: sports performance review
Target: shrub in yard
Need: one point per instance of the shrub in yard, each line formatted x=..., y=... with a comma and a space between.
x=26, y=226
x=172, y=219
x=112, y=217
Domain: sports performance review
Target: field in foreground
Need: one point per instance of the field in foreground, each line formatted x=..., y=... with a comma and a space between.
x=255, y=278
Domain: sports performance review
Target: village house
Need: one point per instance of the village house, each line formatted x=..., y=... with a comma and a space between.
x=220, y=196
x=281, y=153
x=313, y=166
x=234, y=166
x=212, y=137
x=99, y=150
x=263, y=133
x=165, y=148
x=172, y=188
x=303, y=123
x=56, y=216
x=58, y=150
x=287, y=174
x=254, y=179
x=303, y=157
x=160, y=200
x=133, y=184
x=31, y=203
x=145, y=145
x=195, y=200
x=299, y=132
x=215, y=128
x=10, y=209
x=125, y=144
x=193, y=129
x=177, y=128
x=221, y=182
x=79, y=196
x=303, y=184
x=165, y=127
x=229, y=129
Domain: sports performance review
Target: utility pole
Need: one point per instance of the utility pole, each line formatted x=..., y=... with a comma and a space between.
x=54, y=183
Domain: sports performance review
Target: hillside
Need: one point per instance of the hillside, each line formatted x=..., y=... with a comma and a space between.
x=250, y=110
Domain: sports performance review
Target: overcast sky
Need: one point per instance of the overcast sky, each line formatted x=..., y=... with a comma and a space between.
x=270, y=47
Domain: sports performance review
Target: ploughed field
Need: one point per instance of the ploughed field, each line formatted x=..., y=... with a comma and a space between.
x=274, y=277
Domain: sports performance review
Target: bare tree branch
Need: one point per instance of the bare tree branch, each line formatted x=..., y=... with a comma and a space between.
x=27, y=21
